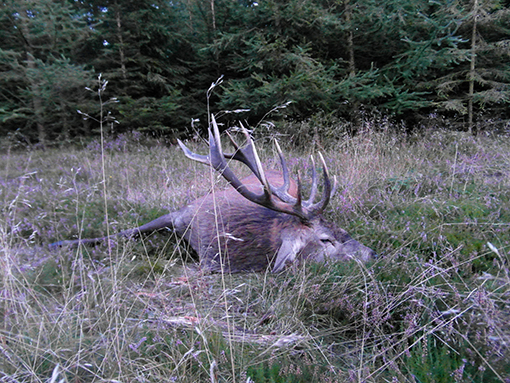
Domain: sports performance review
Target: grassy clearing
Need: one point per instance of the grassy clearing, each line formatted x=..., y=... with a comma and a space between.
x=434, y=307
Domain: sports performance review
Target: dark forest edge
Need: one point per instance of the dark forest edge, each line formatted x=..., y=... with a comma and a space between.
x=331, y=62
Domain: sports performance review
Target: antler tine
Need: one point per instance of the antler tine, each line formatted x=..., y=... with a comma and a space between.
x=327, y=192
x=215, y=150
x=214, y=145
x=216, y=138
x=335, y=186
x=283, y=191
x=285, y=170
x=260, y=170
x=313, y=191
x=195, y=157
x=248, y=156
x=298, y=204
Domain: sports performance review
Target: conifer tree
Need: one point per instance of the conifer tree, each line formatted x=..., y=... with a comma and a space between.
x=138, y=49
x=459, y=60
x=35, y=39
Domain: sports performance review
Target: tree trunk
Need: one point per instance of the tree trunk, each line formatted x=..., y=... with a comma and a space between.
x=350, y=39
x=354, y=113
x=35, y=91
x=122, y=56
x=36, y=101
x=65, y=123
x=472, y=68
x=213, y=16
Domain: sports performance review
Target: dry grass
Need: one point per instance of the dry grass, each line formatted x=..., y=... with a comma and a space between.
x=433, y=308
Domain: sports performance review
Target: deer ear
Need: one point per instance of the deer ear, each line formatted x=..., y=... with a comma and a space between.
x=286, y=254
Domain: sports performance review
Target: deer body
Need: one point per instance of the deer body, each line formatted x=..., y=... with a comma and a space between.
x=259, y=222
x=233, y=234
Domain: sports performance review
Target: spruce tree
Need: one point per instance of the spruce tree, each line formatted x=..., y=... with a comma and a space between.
x=36, y=41
x=139, y=49
x=459, y=58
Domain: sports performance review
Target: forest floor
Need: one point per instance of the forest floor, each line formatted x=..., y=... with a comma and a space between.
x=433, y=307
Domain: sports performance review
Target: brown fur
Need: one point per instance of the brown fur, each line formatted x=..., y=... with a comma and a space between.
x=228, y=230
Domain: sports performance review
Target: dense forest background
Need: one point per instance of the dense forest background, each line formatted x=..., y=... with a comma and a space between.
x=297, y=59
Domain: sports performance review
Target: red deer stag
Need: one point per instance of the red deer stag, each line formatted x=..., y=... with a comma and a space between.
x=259, y=221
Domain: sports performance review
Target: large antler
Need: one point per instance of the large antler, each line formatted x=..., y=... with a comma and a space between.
x=248, y=155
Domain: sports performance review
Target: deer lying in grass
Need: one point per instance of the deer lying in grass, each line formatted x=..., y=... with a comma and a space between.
x=261, y=221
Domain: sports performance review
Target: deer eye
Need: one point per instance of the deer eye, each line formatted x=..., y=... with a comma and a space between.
x=326, y=241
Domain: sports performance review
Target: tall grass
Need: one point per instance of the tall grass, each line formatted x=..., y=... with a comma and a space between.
x=434, y=307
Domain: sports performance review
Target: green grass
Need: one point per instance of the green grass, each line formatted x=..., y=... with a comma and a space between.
x=434, y=307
